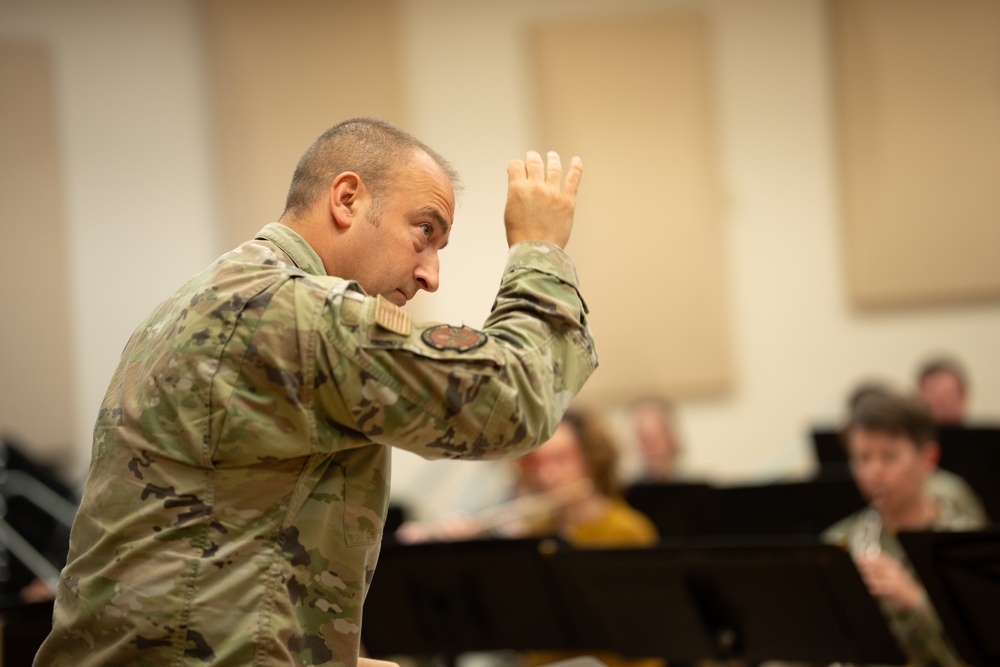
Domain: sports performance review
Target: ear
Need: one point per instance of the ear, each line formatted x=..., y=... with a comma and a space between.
x=930, y=454
x=346, y=194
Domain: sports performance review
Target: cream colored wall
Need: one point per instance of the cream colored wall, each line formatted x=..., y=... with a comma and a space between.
x=139, y=201
x=278, y=80
x=37, y=404
x=920, y=149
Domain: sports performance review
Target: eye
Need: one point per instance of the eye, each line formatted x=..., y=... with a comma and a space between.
x=427, y=228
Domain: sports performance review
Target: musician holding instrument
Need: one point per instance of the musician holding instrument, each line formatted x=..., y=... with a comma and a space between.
x=582, y=452
x=567, y=487
x=893, y=454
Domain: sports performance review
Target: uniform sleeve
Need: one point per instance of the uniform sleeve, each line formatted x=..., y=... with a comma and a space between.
x=445, y=391
x=921, y=632
x=839, y=534
x=961, y=507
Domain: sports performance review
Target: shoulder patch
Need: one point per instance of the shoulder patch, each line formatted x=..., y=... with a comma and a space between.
x=447, y=337
x=391, y=317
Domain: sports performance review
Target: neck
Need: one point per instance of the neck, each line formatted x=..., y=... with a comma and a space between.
x=917, y=517
x=315, y=234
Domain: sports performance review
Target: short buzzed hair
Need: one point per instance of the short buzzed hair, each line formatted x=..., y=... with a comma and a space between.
x=370, y=147
x=894, y=414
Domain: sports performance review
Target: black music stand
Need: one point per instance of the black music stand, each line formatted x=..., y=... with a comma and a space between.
x=677, y=509
x=447, y=598
x=961, y=573
x=973, y=453
x=785, y=601
x=785, y=508
x=829, y=450
x=797, y=602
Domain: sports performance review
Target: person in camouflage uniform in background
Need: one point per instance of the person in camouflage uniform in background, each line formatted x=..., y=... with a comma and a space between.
x=240, y=472
x=892, y=452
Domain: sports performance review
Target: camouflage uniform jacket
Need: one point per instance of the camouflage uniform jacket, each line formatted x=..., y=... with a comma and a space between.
x=240, y=470
x=920, y=633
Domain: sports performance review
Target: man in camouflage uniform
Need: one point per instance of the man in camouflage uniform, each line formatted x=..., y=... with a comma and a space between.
x=240, y=468
x=890, y=441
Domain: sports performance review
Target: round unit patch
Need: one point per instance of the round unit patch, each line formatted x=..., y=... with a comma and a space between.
x=459, y=339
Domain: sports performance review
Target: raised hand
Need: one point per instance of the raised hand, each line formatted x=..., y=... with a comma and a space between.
x=540, y=206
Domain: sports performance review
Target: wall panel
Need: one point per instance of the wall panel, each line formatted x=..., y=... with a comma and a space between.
x=918, y=97
x=633, y=98
x=282, y=73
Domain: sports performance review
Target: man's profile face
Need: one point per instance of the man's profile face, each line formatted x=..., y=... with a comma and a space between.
x=889, y=469
x=400, y=238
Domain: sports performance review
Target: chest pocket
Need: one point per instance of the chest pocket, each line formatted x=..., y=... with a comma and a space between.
x=351, y=487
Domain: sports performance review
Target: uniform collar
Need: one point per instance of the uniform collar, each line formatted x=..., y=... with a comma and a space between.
x=294, y=246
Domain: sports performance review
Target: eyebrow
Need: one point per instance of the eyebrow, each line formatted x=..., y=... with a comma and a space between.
x=443, y=227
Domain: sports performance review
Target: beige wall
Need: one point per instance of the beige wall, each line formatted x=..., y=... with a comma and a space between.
x=919, y=147
x=278, y=79
x=135, y=106
x=648, y=235
x=131, y=118
x=35, y=358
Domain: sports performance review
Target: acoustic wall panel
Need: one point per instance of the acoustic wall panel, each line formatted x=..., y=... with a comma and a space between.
x=918, y=102
x=280, y=73
x=633, y=98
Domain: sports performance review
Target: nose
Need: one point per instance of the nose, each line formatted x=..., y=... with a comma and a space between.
x=426, y=273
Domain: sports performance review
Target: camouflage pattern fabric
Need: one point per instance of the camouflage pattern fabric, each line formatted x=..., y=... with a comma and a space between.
x=954, y=491
x=920, y=633
x=240, y=470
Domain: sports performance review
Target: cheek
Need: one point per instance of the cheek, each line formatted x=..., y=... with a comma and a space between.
x=904, y=475
x=873, y=478
x=396, y=263
x=864, y=478
x=576, y=470
x=917, y=473
x=551, y=479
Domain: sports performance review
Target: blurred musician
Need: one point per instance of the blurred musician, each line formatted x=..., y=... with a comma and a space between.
x=893, y=454
x=566, y=487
